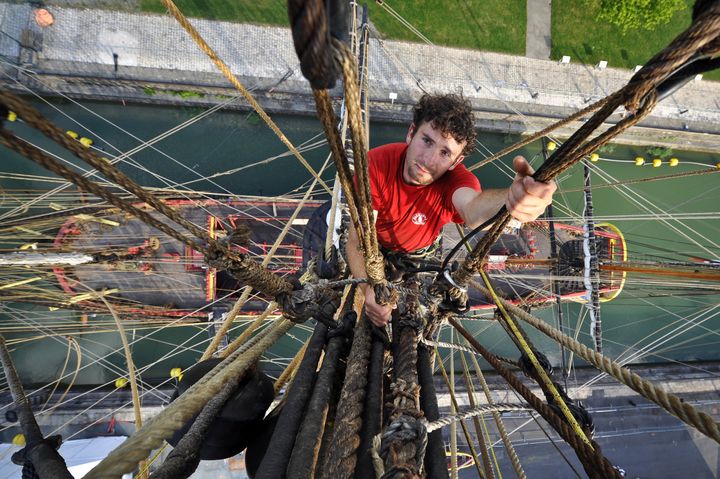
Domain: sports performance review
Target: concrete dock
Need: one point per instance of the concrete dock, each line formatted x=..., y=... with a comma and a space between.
x=113, y=55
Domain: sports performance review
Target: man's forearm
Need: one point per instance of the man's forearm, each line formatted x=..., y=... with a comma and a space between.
x=355, y=258
x=484, y=206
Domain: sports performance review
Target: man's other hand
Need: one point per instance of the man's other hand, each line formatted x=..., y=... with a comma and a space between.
x=527, y=198
x=378, y=315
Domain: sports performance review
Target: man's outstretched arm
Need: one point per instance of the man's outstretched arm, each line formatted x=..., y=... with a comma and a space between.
x=525, y=199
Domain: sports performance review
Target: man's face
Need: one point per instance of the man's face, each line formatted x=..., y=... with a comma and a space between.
x=430, y=154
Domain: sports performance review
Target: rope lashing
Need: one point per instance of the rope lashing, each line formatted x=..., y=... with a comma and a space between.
x=671, y=403
x=596, y=465
x=476, y=411
x=312, y=29
x=404, y=436
x=314, y=300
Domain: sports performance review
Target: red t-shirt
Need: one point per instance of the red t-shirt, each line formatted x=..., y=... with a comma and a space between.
x=411, y=217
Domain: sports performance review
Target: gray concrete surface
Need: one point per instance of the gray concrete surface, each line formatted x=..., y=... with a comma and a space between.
x=509, y=93
x=538, y=38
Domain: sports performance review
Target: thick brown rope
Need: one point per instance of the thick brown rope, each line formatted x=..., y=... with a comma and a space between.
x=327, y=117
x=404, y=439
x=357, y=135
x=638, y=96
x=671, y=403
x=195, y=35
x=539, y=134
x=184, y=458
x=595, y=464
x=38, y=156
x=240, y=265
x=311, y=37
x=359, y=199
x=703, y=31
x=33, y=118
x=225, y=327
x=340, y=461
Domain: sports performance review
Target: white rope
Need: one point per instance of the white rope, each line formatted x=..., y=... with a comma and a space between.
x=473, y=412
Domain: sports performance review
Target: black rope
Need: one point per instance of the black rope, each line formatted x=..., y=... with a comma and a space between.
x=435, y=460
x=372, y=418
x=277, y=456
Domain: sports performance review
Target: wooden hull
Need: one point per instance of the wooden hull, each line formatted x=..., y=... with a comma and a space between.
x=148, y=273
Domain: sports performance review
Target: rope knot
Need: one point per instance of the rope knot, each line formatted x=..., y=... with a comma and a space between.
x=312, y=300
x=578, y=411
x=403, y=447
x=384, y=294
x=406, y=398
x=450, y=296
x=216, y=257
x=527, y=366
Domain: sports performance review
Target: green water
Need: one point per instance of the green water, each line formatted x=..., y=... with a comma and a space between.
x=227, y=140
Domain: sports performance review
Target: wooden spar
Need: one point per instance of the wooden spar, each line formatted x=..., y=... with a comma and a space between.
x=675, y=272
x=39, y=259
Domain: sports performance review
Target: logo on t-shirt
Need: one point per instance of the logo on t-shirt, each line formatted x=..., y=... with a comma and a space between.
x=419, y=219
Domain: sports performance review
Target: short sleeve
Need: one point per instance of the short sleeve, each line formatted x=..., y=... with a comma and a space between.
x=377, y=188
x=461, y=178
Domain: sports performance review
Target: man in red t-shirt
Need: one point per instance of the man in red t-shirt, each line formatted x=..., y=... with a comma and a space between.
x=419, y=186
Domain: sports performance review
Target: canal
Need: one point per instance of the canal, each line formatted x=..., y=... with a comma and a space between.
x=653, y=320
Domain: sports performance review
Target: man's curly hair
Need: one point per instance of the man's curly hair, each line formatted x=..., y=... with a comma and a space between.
x=451, y=114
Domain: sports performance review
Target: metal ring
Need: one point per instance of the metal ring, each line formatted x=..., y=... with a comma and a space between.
x=446, y=275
